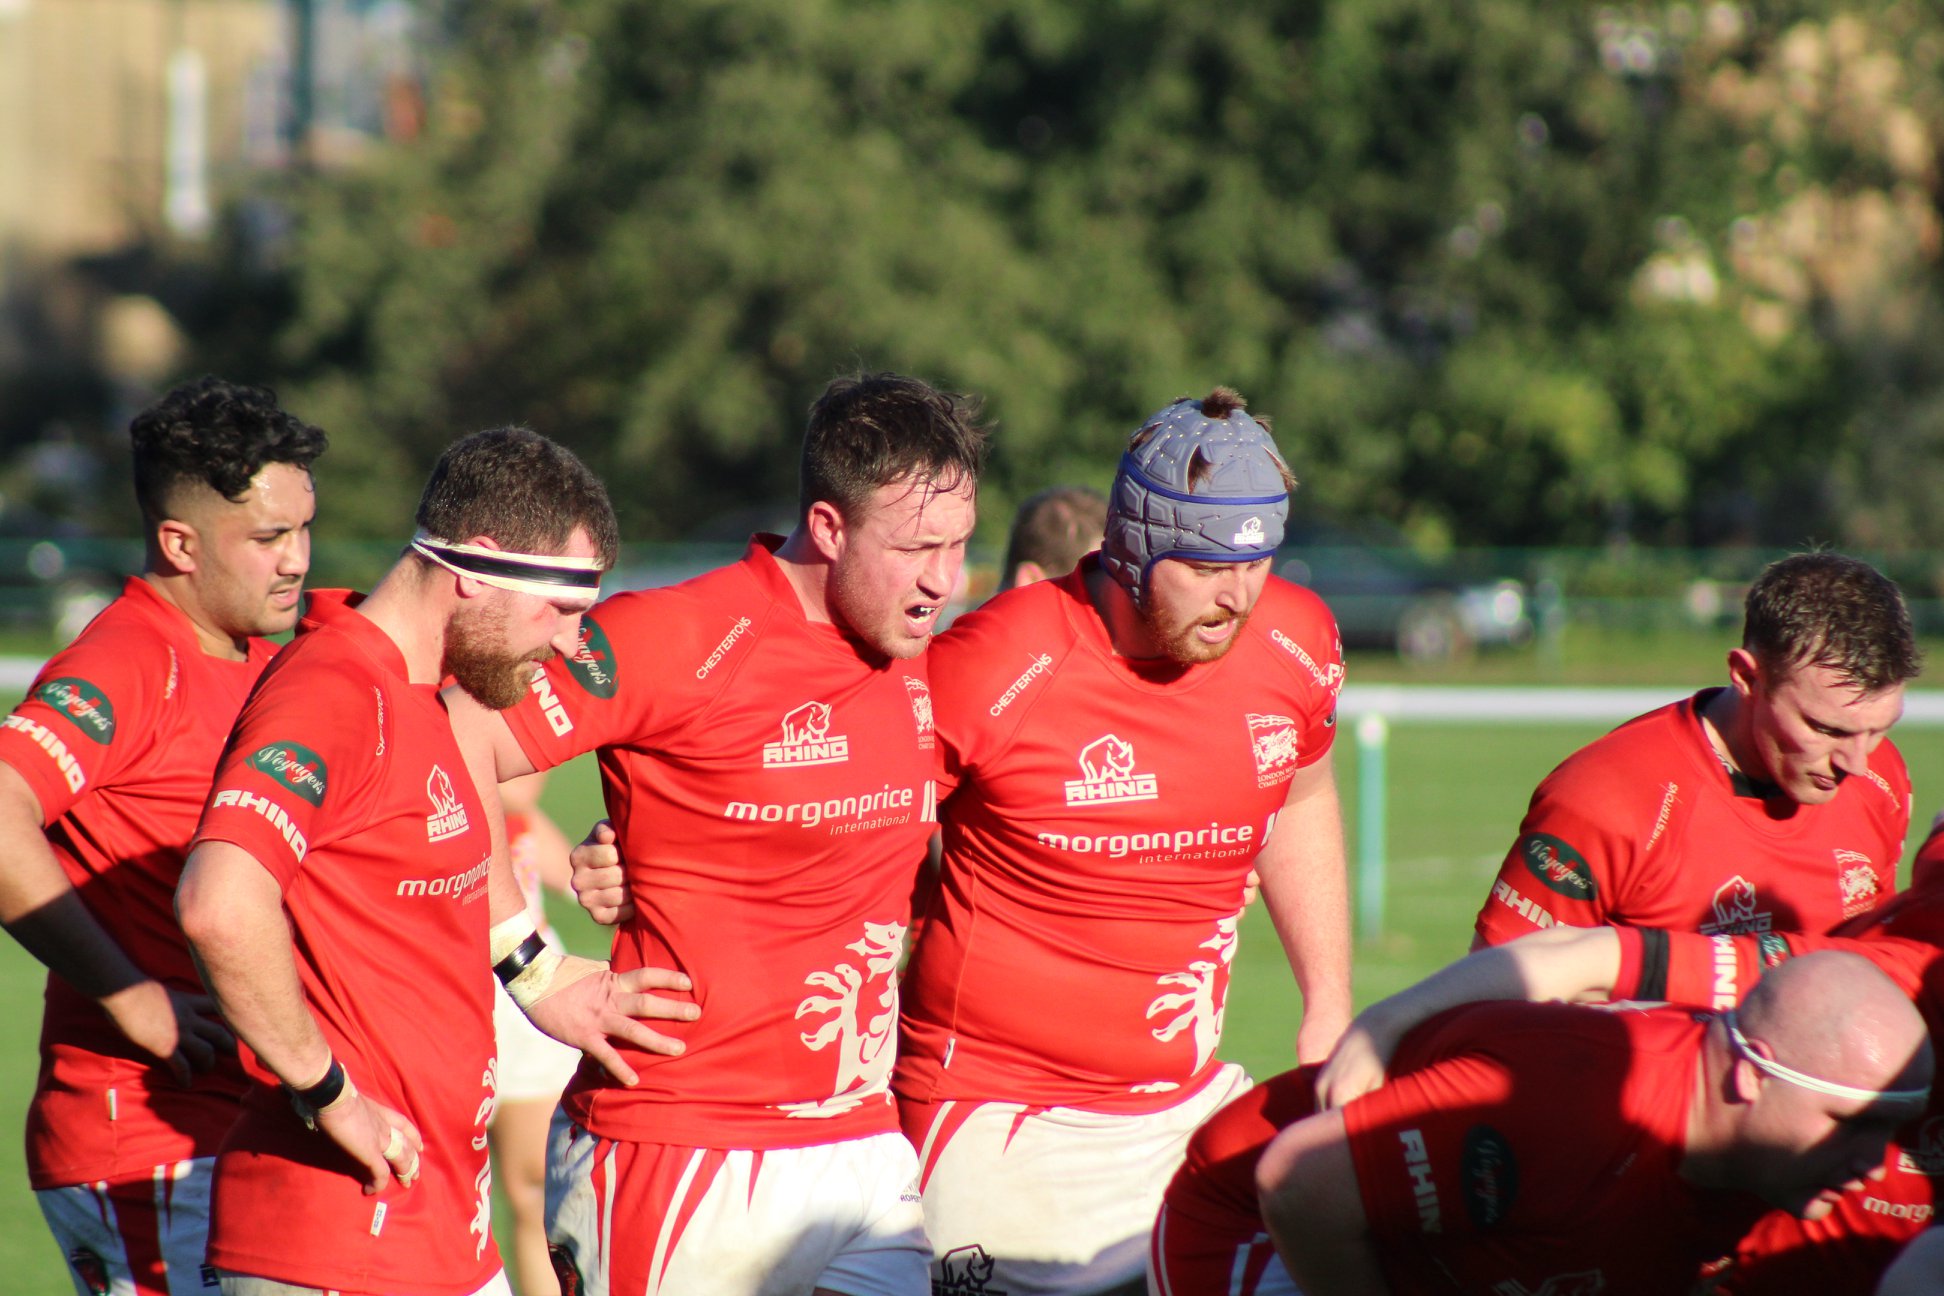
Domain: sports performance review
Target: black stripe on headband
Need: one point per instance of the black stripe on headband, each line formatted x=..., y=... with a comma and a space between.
x=537, y=570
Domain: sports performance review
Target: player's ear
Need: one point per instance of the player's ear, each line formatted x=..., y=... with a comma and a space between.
x=1745, y=674
x=179, y=543
x=1027, y=573
x=827, y=529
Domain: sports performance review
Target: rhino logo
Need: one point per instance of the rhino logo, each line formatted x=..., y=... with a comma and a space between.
x=1107, y=758
x=1734, y=908
x=1250, y=535
x=1107, y=774
x=807, y=739
x=965, y=1271
x=448, y=817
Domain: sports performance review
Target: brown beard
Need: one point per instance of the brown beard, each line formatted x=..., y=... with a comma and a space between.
x=1179, y=645
x=477, y=662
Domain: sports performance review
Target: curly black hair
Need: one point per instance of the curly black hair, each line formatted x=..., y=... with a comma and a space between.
x=219, y=434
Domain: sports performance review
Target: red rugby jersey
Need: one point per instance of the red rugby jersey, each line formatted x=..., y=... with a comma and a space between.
x=1847, y=1250
x=1522, y=1148
x=343, y=779
x=1643, y=827
x=1099, y=818
x=770, y=786
x=118, y=738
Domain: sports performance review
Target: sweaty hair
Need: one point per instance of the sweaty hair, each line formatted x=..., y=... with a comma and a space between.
x=215, y=434
x=871, y=430
x=1828, y=610
x=1056, y=529
x=528, y=493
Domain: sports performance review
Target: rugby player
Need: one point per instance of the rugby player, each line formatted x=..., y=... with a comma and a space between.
x=1554, y=1147
x=767, y=747
x=337, y=896
x=104, y=768
x=1840, y=1254
x=1051, y=532
x=1118, y=747
x=1775, y=803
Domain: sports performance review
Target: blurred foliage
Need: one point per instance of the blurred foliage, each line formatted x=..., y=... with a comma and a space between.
x=1503, y=272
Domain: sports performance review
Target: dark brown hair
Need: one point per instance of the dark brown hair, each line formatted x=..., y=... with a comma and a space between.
x=870, y=430
x=528, y=493
x=1828, y=610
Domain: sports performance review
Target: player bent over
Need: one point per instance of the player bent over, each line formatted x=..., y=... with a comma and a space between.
x=337, y=897
x=1553, y=1147
x=104, y=768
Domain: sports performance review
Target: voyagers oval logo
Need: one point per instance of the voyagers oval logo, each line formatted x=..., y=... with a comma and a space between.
x=1558, y=865
x=593, y=663
x=86, y=706
x=1490, y=1176
x=296, y=767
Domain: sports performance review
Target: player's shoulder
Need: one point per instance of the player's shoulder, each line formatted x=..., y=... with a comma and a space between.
x=1888, y=779
x=1293, y=628
x=1296, y=610
x=1635, y=757
x=1016, y=626
x=123, y=664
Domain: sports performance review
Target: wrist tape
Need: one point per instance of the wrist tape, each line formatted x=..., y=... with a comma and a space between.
x=524, y=963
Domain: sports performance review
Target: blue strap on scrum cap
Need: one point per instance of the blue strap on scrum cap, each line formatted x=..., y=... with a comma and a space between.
x=1200, y=481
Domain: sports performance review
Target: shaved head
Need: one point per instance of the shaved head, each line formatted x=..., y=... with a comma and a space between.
x=1835, y=1015
x=1810, y=1078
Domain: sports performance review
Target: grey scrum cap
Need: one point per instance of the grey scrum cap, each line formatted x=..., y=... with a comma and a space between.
x=1201, y=481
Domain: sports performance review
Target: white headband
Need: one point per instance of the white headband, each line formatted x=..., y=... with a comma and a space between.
x=1769, y=1066
x=547, y=575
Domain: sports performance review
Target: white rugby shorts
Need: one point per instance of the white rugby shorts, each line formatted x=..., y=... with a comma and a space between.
x=1050, y=1201
x=654, y=1219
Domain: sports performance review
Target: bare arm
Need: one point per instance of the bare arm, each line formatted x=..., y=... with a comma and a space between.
x=231, y=909
x=1576, y=964
x=577, y=1001
x=1307, y=894
x=40, y=908
x=1307, y=1185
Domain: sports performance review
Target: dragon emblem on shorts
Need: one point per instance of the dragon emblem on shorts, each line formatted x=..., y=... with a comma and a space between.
x=861, y=1000
x=1200, y=995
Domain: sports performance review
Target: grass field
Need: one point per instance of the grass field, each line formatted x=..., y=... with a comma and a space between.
x=1457, y=792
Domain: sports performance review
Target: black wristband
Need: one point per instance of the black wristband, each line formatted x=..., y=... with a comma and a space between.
x=515, y=963
x=317, y=1097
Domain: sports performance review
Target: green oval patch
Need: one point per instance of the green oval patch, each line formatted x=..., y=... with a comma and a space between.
x=84, y=705
x=593, y=662
x=1558, y=865
x=295, y=766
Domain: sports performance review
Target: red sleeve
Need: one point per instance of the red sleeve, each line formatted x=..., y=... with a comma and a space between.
x=1716, y=971
x=301, y=764
x=649, y=660
x=87, y=720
